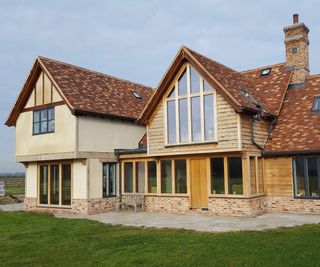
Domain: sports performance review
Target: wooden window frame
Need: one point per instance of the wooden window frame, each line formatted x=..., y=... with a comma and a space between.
x=59, y=163
x=40, y=122
x=189, y=95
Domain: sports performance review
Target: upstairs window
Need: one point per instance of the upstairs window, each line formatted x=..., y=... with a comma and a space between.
x=265, y=72
x=43, y=121
x=190, y=110
x=316, y=104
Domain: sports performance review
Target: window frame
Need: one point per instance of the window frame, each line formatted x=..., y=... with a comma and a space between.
x=175, y=97
x=39, y=111
x=306, y=177
x=115, y=179
x=49, y=164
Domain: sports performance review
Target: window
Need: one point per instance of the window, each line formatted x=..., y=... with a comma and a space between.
x=190, y=109
x=43, y=121
x=136, y=95
x=109, y=179
x=166, y=176
x=55, y=184
x=235, y=175
x=260, y=176
x=128, y=177
x=316, y=104
x=217, y=175
x=140, y=177
x=306, y=173
x=181, y=176
x=152, y=177
x=294, y=50
x=265, y=72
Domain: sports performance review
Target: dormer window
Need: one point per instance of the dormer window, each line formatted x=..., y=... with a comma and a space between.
x=136, y=95
x=190, y=110
x=316, y=104
x=265, y=72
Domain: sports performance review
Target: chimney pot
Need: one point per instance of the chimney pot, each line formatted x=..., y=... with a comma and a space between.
x=295, y=18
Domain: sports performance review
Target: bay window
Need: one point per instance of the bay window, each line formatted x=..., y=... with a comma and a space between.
x=190, y=110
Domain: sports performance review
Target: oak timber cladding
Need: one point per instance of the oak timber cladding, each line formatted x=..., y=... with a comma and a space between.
x=261, y=129
x=278, y=176
x=227, y=123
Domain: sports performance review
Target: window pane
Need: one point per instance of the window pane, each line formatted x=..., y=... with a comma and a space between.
x=51, y=126
x=181, y=176
x=43, y=184
x=166, y=176
x=196, y=118
x=183, y=120
x=51, y=114
x=253, y=183
x=206, y=86
x=316, y=104
x=182, y=83
x=260, y=175
x=109, y=179
x=313, y=177
x=54, y=184
x=44, y=127
x=152, y=177
x=217, y=176
x=128, y=177
x=195, y=81
x=36, y=116
x=235, y=176
x=208, y=117
x=299, y=177
x=140, y=177
x=66, y=184
x=171, y=122
x=36, y=128
x=44, y=115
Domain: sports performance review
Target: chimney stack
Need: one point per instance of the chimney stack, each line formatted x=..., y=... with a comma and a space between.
x=297, y=50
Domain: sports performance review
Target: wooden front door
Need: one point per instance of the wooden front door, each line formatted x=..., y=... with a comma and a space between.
x=199, y=183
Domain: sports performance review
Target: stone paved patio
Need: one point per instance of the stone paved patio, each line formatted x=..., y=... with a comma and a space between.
x=12, y=207
x=199, y=222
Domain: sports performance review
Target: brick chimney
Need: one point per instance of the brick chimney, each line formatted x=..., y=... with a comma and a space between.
x=297, y=50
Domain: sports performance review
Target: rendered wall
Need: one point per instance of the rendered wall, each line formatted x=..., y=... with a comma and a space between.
x=31, y=180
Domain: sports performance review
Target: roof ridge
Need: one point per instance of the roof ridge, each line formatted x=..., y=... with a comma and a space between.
x=191, y=50
x=263, y=67
x=94, y=71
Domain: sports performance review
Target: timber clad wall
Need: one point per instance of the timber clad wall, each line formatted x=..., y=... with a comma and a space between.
x=227, y=122
x=278, y=176
x=261, y=129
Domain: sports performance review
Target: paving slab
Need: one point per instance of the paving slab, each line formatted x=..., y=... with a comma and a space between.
x=12, y=207
x=199, y=222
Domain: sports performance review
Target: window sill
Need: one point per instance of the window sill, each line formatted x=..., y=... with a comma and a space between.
x=191, y=144
x=54, y=206
x=307, y=198
x=235, y=196
x=160, y=195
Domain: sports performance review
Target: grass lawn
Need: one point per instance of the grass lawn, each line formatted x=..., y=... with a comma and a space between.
x=15, y=190
x=38, y=240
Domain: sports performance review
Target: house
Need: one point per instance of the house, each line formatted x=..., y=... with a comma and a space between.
x=211, y=139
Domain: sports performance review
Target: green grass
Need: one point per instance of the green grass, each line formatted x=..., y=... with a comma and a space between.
x=28, y=239
x=15, y=190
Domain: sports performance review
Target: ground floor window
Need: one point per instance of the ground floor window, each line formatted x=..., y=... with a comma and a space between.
x=55, y=184
x=140, y=176
x=235, y=175
x=109, y=179
x=166, y=176
x=217, y=175
x=180, y=176
x=306, y=173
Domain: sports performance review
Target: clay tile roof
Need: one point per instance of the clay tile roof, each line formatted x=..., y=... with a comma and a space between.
x=233, y=81
x=272, y=88
x=297, y=128
x=97, y=93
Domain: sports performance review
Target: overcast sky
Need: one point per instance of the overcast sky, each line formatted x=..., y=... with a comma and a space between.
x=137, y=40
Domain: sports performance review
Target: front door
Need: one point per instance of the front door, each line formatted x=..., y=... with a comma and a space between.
x=199, y=183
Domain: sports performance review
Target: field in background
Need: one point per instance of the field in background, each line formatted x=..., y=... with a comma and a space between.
x=14, y=184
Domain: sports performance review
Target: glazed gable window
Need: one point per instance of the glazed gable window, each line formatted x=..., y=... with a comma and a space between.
x=190, y=110
x=43, y=121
